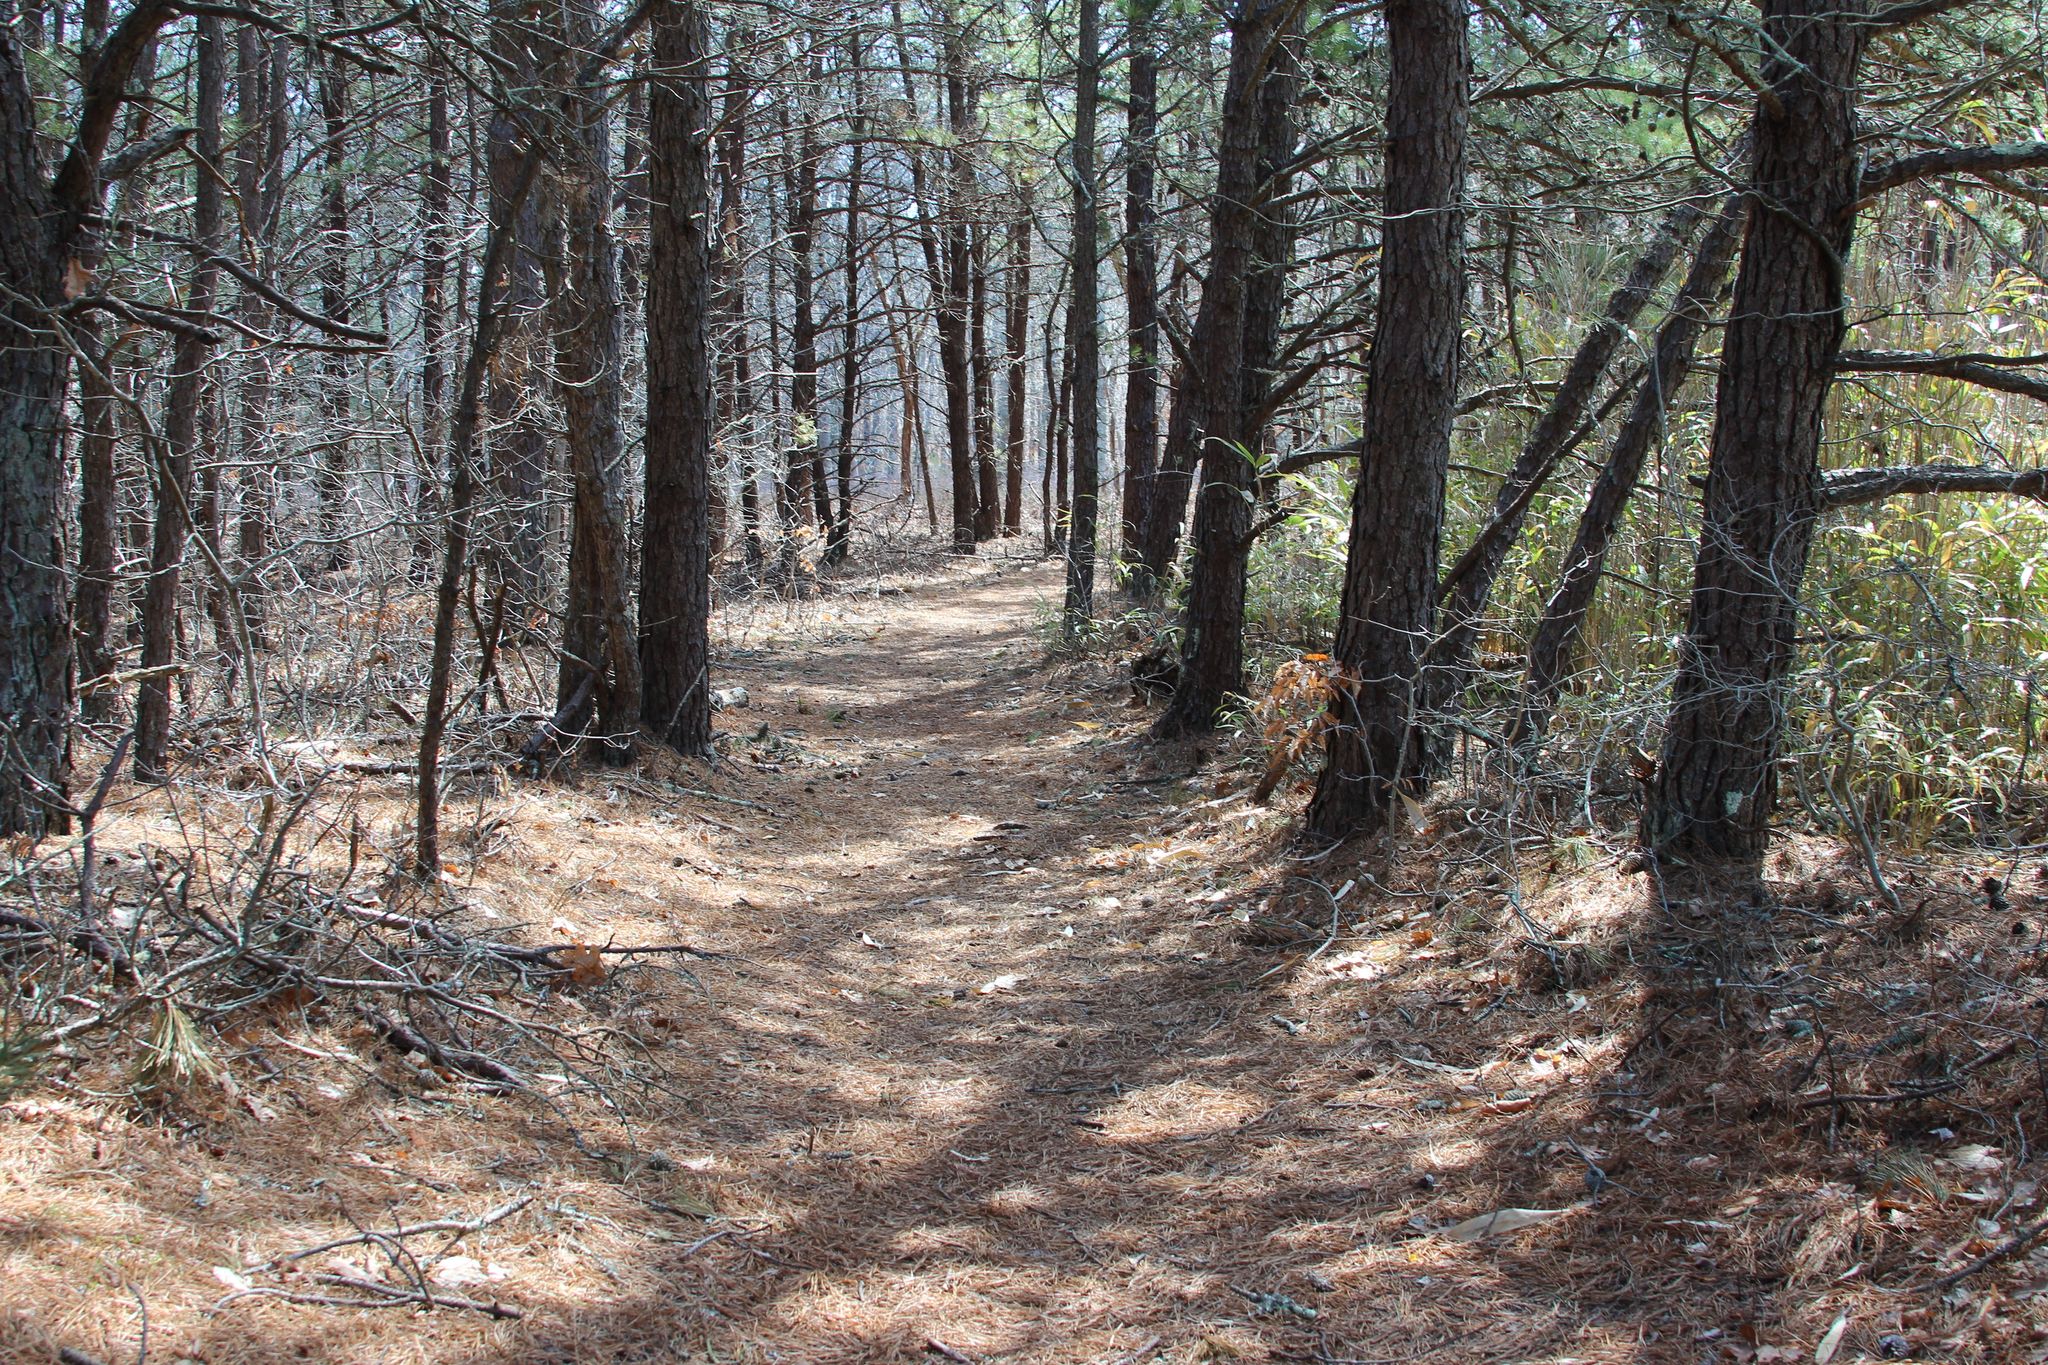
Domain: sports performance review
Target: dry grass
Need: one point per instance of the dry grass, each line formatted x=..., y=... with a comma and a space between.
x=1001, y=1063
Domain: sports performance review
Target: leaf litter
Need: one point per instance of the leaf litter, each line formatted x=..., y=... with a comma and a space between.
x=1128, y=1159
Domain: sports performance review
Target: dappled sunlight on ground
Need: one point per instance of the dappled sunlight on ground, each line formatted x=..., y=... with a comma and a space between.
x=991, y=1064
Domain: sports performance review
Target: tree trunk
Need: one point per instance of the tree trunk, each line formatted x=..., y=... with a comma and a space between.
x=1141, y=278
x=1085, y=332
x=178, y=452
x=1557, y=633
x=840, y=540
x=98, y=500
x=518, y=442
x=435, y=198
x=35, y=672
x=675, y=582
x=954, y=290
x=1389, y=602
x=1714, y=788
x=805, y=460
x=262, y=84
x=41, y=230
x=1208, y=414
x=1016, y=336
x=736, y=391
x=988, y=506
x=598, y=637
x=1265, y=301
x=332, y=476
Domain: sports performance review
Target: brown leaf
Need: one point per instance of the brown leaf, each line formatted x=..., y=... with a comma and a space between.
x=585, y=964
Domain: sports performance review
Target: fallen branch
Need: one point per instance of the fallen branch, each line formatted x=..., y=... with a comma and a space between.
x=542, y=956
x=90, y=942
x=133, y=675
x=458, y=1226
x=391, y=1297
x=2012, y=1246
x=1847, y=487
x=472, y=1064
x=1925, y=1092
x=728, y=800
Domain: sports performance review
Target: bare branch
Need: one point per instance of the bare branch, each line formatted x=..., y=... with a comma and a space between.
x=1850, y=487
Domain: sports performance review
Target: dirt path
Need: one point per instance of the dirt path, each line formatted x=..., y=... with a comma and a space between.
x=999, y=1086
x=986, y=1069
x=983, y=1076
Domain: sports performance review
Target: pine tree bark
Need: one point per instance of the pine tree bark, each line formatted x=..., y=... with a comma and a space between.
x=1208, y=414
x=1084, y=330
x=41, y=226
x=1141, y=277
x=1016, y=337
x=1389, y=602
x=988, y=505
x=806, y=462
x=99, y=421
x=954, y=291
x=1265, y=302
x=1715, y=785
x=598, y=637
x=178, y=452
x=262, y=81
x=518, y=443
x=839, y=542
x=332, y=474
x=675, y=582
x=436, y=196
x=736, y=386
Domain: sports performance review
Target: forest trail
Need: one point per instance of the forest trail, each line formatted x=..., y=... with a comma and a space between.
x=992, y=1060
x=988, y=1094
x=997, y=1079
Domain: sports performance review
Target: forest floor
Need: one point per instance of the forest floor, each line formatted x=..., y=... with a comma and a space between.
x=1027, y=1041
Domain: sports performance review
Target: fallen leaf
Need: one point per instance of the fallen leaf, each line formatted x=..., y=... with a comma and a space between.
x=1973, y=1156
x=1499, y=1223
x=1831, y=1342
x=233, y=1279
x=584, y=963
x=456, y=1271
x=1008, y=982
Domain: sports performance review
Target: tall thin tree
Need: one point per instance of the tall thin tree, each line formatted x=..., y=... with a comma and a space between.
x=1388, y=615
x=675, y=566
x=1085, y=328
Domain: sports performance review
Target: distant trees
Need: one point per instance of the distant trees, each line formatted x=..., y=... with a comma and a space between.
x=509, y=308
